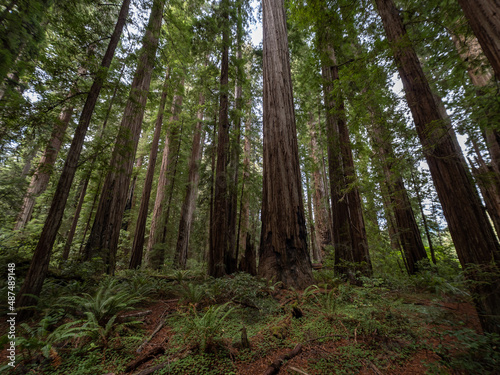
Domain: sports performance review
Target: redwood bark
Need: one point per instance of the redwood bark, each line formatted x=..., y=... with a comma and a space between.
x=349, y=233
x=155, y=250
x=188, y=206
x=484, y=19
x=232, y=262
x=322, y=223
x=140, y=228
x=40, y=261
x=283, y=254
x=220, y=257
x=407, y=230
x=103, y=239
x=40, y=179
x=472, y=234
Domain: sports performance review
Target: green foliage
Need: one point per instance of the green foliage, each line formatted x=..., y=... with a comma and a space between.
x=109, y=299
x=205, y=329
x=471, y=352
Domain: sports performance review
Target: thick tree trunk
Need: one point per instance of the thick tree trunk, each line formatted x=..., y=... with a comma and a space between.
x=189, y=204
x=155, y=250
x=40, y=179
x=349, y=233
x=472, y=234
x=140, y=228
x=40, y=262
x=283, y=254
x=221, y=258
x=232, y=258
x=484, y=19
x=322, y=224
x=103, y=239
x=407, y=229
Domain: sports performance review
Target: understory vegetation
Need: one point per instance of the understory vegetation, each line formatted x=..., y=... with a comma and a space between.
x=240, y=324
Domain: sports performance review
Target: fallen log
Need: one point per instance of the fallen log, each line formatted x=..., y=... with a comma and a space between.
x=276, y=365
x=157, y=350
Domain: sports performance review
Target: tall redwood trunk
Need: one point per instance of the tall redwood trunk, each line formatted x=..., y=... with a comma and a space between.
x=103, y=239
x=233, y=251
x=155, y=249
x=220, y=256
x=140, y=228
x=248, y=261
x=484, y=19
x=406, y=227
x=40, y=179
x=188, y=206
x=283, y=254
x=349, y=233
x=472, y=234
x=322, y=223
x=40, y=262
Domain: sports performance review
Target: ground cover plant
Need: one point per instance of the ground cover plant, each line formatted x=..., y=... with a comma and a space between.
x=241, y=324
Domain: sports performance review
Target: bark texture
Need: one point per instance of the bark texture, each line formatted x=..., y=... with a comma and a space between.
x=155, y=251
x=189, y=204
x=472, y=234
x=41, y=258
x=40, y=179
x=103, y=239
x=140, y=228
x=484, y=19
x=349, y=233
x=407, y=230
x=320, y=199
x=220, y=257
x=283, y=254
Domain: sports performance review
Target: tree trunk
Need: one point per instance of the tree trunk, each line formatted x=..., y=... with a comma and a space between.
x=188, y=206
x=40, y=179
x=349, y=233
x=246, y=264
x=472, y=234
x=221, y=258
x=322, y=223
x=314, y=251
x=283, y=254
x=140, y=228
x=74, y=222
x=232, y=263
x=131, y=196
x=484, y=19
x=103, y=239
x=155, y=251
x=407, y=229
x=40, y=262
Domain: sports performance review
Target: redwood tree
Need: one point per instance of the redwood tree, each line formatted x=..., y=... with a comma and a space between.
x=39, y=266
x=220, y=255
x=283, y=254
x=472, y=234
x=140, y=228
x=484, y=19
x=103, y=239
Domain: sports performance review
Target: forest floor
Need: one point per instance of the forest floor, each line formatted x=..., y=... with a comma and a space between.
x=334, y=328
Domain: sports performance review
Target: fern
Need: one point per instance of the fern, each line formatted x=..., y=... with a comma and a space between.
x=205, y=329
